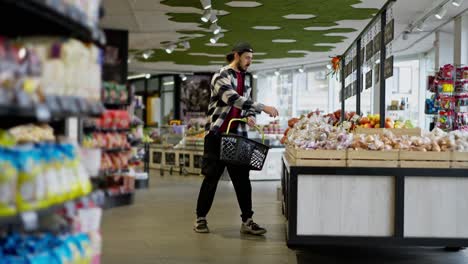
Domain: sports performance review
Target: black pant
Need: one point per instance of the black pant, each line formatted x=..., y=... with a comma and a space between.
x=212, y=169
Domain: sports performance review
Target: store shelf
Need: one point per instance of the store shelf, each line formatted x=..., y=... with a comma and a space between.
x=53, y=108
x=115, y=105
x=116, y=150
x=106, y=130
x=46, y=17
x=17, y=219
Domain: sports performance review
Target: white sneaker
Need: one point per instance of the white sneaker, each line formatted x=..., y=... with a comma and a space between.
x=250, y=227
x=201, y=225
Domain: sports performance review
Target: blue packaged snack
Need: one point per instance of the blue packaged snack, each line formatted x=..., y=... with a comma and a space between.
x=15, y=260
x=39, y=258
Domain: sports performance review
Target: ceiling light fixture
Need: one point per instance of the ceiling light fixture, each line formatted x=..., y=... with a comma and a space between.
x=147, y=76
x=185, y=45
x=457, y=3
x=183, y=77
x=255, y=76
x=215, y=28
x=441, y=12
x=419, y=26
x=206, y=4
x=213, y=17
x=147, y=54
x=206, y=15
x=329, y=66
x=301, y=69
x=171, y=48
x=277, y=73
x=215, y=38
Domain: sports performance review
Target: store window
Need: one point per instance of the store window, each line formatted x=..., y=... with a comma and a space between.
x=312, y=92
x=167, y=95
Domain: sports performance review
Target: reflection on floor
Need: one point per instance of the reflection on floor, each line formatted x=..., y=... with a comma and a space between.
x=158, y=229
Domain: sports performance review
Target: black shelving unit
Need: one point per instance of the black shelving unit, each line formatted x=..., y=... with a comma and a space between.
x=46, y=17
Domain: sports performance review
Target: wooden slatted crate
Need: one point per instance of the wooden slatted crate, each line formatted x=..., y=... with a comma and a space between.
x=373, y=158
x=459, y=160
x=396, y=131
x=317, y=158
x=421, y=159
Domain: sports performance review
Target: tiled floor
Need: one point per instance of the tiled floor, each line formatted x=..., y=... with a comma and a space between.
x=158, y=229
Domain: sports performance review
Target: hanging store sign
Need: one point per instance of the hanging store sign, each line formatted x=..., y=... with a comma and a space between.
x=377, y=43
x=377, y=73
x=369, y=50
x=369, y=79
x=389, y=67
x=389, y=32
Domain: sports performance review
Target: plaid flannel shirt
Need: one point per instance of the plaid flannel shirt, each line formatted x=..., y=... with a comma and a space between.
x=224, y=96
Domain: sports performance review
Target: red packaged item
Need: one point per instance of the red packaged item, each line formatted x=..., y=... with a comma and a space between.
x=106, y=120
x=447, y=71
x=447, y=103
x=100, y=140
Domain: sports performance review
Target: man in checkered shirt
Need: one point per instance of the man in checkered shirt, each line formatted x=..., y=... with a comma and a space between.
x=230, y=98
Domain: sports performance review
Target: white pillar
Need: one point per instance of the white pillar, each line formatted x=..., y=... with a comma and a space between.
x=461, y=41
x=444, y=49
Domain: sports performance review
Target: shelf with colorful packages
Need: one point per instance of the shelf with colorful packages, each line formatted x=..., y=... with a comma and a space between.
x=106, y=140
x=450, y=99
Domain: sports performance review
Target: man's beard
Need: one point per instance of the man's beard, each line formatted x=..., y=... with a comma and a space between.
x=239, y=66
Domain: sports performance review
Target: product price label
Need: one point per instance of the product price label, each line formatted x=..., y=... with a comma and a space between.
x=29, y=220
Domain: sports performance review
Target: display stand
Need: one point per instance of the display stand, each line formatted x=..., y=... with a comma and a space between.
x=374, y=206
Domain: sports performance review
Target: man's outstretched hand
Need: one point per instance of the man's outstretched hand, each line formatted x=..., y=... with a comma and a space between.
x=271, y=111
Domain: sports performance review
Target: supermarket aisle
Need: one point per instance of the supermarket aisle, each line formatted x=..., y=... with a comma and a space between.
x=158, y=229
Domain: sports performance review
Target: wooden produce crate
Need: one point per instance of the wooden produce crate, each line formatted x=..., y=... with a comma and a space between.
x=396, y=131
x=459, y=160
x=424, y=164
x=317, y=158
x=372, y=158
x=425, y=156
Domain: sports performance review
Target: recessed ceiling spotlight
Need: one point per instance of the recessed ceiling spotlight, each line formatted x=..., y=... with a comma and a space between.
x=277, y=72
x=215, y=38
x=213, y=17
x=441, y=12
x=171, y=48
x=255, y=76
x=419, y=26
x=206, y=4
x=457, y=3
x=147, y=54
x=183, y=77
x=301, y=69
x=206, y=15
x=185, y=45
x=215, y=28
x=147, y=76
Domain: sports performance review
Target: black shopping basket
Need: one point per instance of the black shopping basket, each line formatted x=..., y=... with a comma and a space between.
x=239, y=150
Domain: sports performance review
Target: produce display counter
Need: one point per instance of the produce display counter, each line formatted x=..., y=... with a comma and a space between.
x=182, y=160
x=374, y=206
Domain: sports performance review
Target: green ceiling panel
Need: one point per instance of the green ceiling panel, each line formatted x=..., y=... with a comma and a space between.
x=240, y=20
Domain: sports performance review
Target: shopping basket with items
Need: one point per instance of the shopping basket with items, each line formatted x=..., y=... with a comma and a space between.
x=239, y=150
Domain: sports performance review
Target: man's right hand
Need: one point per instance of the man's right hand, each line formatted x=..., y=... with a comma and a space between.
x=271, y=111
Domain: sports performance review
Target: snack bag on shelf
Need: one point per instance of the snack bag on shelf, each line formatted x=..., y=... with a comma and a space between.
x=8, y=181
x=31, y=186
x=51, y=170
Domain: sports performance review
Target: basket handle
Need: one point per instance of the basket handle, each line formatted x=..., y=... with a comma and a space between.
x=245, y=121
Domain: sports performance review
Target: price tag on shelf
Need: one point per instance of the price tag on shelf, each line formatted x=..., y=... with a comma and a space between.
x=30, y=220
x=42, y=113
x=70, y=209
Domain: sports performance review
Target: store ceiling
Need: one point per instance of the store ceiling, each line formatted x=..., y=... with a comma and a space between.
x=283, y=33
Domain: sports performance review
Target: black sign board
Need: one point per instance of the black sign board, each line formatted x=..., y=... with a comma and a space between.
x=389, y=32
x=354, y=88
x=354, y=64
x=362, y=56
x=348, y=69
x=369, y=79
x=377, y=73
x=389, y=67
x=369, y=50
x=348, y=91
x=377, y=43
